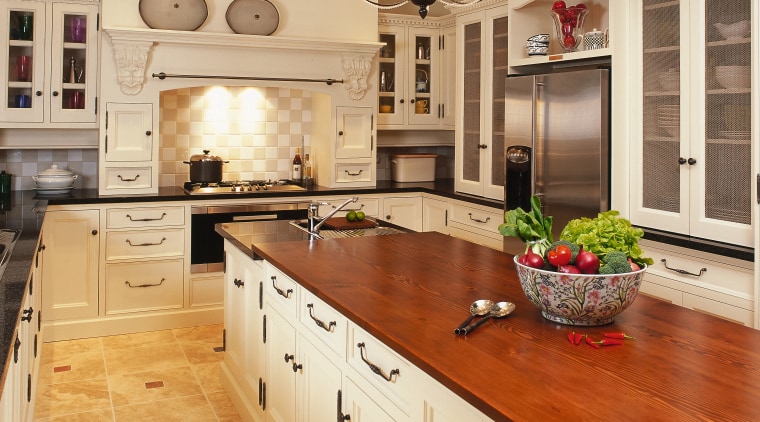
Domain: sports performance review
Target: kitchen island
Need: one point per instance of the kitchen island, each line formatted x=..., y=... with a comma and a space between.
x=409, y=291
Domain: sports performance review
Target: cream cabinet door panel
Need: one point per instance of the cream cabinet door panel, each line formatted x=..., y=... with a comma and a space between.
x=70, y=267
x=354, y=138
x=143, y=286
x=129, y=135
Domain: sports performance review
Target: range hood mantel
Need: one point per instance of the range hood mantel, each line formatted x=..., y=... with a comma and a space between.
x=132, y=49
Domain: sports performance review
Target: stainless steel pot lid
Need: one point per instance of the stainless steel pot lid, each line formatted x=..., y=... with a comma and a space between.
x=178, y=15
x=252, y=17
x=205, y=157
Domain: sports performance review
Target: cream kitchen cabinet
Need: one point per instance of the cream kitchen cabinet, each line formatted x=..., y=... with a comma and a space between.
x=403, y=211
x=435, y=215
x=692, y=140
x=59, y=89
x=70, y=269
x=411, y=82
x=479, y=137
x=20, y=387
x=348, y=161
x=128, y=163
x=476, y=223
x=319, y=366
x=707, y=283
x=530, y=17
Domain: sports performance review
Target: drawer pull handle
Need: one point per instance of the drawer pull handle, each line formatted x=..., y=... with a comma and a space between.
x=144, y=285
x=283, y=293
x=127, y=180
x=376, y=369
x=477, y=220
x=354, y=174
x=327, y=327
x=163, y=214
x=680, y=271
x=238, y=283
x=146, y=244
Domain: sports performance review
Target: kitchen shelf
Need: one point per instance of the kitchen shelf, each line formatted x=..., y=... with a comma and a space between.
x=662, y=5
x=576, y=55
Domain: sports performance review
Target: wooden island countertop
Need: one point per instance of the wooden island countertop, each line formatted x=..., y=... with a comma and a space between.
x=411, y=290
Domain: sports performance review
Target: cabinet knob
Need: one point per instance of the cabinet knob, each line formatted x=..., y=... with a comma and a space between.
x=401, y=100
x=388, y=217
x=681, y=160
x=55, y=93
x=148, y=133
x=483, y=146
x=38, y=93
x=692, y=161
x=94, y=232
x=412, y=101
x=340, y=133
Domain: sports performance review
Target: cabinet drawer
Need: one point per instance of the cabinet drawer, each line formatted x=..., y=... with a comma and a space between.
x=325, y=322
x=143, y=286
x=370, y=206
x=719, y=277
x=358, y=172
x=487, y=221
x=145, y=217
x=128, y=177
x=395, y=380
x=718, y=309
x=281, y=291
x=145, y=244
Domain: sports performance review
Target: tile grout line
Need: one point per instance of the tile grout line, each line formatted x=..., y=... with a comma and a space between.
x=108, y=380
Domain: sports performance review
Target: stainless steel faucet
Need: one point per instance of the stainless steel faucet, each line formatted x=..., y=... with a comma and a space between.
x=315, y=221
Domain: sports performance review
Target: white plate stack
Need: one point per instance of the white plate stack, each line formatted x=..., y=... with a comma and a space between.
x=733, y=77
x=669, y=119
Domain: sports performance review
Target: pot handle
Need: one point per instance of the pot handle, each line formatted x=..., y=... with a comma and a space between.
x=186, y=162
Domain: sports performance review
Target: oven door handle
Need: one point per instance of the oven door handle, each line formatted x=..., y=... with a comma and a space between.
x=254, y=217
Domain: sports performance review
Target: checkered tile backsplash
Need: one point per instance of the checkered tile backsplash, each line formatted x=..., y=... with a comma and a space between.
x=256, y=129
x=23, y=164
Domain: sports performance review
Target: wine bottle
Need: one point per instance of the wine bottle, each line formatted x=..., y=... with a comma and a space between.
x=297, y=166
x=307, y=177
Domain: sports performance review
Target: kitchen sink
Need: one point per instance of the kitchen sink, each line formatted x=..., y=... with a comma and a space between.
x=382, y=229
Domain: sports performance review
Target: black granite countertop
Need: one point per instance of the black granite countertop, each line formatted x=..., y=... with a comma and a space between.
x=24, y=211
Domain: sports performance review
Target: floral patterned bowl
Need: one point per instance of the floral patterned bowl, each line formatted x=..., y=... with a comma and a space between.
x=579, y=299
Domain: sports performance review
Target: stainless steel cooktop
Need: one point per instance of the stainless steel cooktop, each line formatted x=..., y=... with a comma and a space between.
x=241, y=186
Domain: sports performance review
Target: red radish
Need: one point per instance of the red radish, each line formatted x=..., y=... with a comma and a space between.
x=533, y=259
x=587, y=262
x=634, y=266
x=568, y=269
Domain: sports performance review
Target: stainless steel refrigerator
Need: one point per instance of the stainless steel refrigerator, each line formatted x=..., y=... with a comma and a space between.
x=557, y=145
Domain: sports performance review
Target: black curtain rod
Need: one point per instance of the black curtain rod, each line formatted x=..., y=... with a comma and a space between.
x=162, y=76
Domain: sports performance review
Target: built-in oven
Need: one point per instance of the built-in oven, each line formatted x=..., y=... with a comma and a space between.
x=207, y=246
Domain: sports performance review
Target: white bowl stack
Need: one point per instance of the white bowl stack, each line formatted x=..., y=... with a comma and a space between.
x=537, y=45
x=669, y=119
x=733, y=77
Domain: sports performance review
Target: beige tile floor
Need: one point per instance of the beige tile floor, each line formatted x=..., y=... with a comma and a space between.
x=170, y=375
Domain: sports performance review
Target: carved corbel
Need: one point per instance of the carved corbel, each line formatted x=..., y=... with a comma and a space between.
x=356, y=70
x=131, y=59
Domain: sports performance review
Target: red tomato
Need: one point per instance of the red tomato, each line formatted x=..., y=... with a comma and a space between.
x=569, y=41
x=560, y=255
x=559, y=4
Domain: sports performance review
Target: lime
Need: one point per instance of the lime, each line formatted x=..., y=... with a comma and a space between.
x=359, y=215
x=351, y=216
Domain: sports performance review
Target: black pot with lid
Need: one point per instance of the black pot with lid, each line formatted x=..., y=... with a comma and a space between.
x=205, y=168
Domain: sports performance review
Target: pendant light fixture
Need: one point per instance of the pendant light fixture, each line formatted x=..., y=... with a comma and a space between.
x=422, y=4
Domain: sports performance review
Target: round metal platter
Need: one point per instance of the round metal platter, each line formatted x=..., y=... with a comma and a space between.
x=252, y=17
x=178, y=15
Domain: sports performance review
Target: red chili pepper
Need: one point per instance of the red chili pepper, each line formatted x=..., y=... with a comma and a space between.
x=609, y=342
x=592, y=343
x=578, y=338
x=571, y=337
x=622, y=336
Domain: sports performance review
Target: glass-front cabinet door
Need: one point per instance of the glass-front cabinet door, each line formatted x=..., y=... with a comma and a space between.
x=693, y=160
x=23, y=47
x=423, y=76
x=73, y=63
x=51, y=51
x=391, y=80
